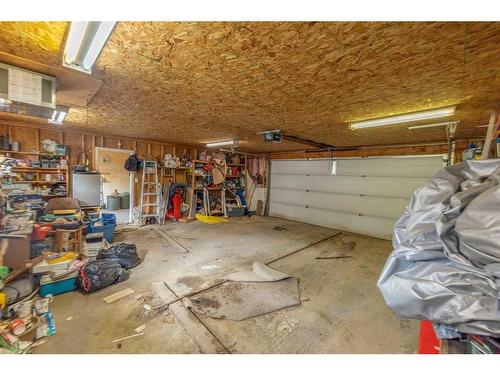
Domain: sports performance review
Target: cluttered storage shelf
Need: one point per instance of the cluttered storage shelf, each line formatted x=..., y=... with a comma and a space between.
x=32, y=172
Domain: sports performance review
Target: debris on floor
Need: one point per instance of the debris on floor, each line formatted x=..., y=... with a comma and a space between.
x=243, y=300
x=25, y=325
x=128, y=337
x=287, y=325
x=55, y=263
x=343, y=251
x=119, y=295
x=140, y=328
x=279, y=228
x=204, y=339
x=259, y=272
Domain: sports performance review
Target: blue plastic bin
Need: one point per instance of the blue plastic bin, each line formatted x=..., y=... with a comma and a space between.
x=58, y=287
x=108, y=230
x=108, y=218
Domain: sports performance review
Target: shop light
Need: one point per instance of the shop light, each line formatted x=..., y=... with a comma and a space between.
x=229, y=142
x=405, y=117
x=85, y=43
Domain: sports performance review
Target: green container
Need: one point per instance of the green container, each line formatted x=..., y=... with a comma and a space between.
x=124, y=201
x=4, y=272
x=113, y=202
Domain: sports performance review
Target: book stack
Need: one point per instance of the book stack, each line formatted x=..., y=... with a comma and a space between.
x=94, y=242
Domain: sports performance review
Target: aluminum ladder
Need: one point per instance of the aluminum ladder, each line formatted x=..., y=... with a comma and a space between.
x=150, y=193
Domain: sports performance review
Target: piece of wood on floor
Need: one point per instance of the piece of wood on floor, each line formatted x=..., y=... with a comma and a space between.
x=172, y=241
x=206, y=341
x=116, y=296
x=128, y=337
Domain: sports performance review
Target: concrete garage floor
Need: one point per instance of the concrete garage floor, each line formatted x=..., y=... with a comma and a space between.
x=341, y=311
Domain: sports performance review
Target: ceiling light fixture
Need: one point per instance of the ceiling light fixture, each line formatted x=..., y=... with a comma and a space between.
x=229, y=142
x=84, y=44
x=449, y=123
x=59, y=115
x=405, y=117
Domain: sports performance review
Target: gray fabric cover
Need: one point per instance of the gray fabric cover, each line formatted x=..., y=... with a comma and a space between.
x=445, y=266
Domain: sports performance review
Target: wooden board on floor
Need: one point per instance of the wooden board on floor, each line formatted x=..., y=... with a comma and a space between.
x=207, y=342
x=116, y=296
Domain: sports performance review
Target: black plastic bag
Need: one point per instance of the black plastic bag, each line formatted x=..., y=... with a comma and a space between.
x=98, y=274
x=123, y=253
x=132, y=163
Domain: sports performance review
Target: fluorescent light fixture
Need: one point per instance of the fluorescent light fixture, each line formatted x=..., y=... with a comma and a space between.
x=405, y=117
x=229, y=142
x=85, y=43
x=449, y=123
x=59, y=115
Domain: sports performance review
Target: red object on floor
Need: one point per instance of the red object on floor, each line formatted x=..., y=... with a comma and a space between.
x=428, y=342
x=177, y=203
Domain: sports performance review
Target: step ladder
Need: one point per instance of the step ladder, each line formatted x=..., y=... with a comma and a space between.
x=150, y=193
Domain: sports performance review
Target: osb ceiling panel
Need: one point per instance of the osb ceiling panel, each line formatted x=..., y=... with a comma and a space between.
x=197, y=82
x=39, y=41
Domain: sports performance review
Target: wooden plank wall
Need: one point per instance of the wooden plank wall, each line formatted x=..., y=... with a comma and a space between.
x=30, y=136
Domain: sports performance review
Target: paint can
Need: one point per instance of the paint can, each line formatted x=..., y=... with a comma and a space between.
x=17, y=327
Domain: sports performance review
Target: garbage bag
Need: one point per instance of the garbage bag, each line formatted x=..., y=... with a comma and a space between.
x=445, y=266
x=98, y=274
x=123, y=253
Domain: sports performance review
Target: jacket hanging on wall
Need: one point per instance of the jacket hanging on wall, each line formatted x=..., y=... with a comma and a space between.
x=132, y=163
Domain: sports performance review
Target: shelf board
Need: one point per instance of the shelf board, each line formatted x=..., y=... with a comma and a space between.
x=216, y=188
x=29, y=153
x=175, y=167
x=36, y=169
x=201, y=161
x=235, y=165
x=38, y=182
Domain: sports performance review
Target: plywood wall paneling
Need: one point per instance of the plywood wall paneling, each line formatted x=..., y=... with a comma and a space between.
x=27, y=141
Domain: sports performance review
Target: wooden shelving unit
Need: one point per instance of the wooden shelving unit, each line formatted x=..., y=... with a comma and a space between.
x=197, y=184
x=38, y=173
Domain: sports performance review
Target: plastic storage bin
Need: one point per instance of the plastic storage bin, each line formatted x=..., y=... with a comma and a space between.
x=234, y=211
x=108, y=230
x=108, y=218
x=58, y=287
x=106, y=226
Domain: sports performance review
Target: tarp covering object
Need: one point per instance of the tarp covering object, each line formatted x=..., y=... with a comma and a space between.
x=445, y=266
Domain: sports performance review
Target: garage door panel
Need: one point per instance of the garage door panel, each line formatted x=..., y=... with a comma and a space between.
x=366, y=195
x=395, y=167
x=370, y=226
x=384, y=172
x=303, y=167
x=376, y=186
x=366, y=205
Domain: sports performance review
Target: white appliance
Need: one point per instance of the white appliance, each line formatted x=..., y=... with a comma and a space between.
x=86, y=187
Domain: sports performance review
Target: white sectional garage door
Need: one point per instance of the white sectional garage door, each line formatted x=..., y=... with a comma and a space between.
x=365, y=195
